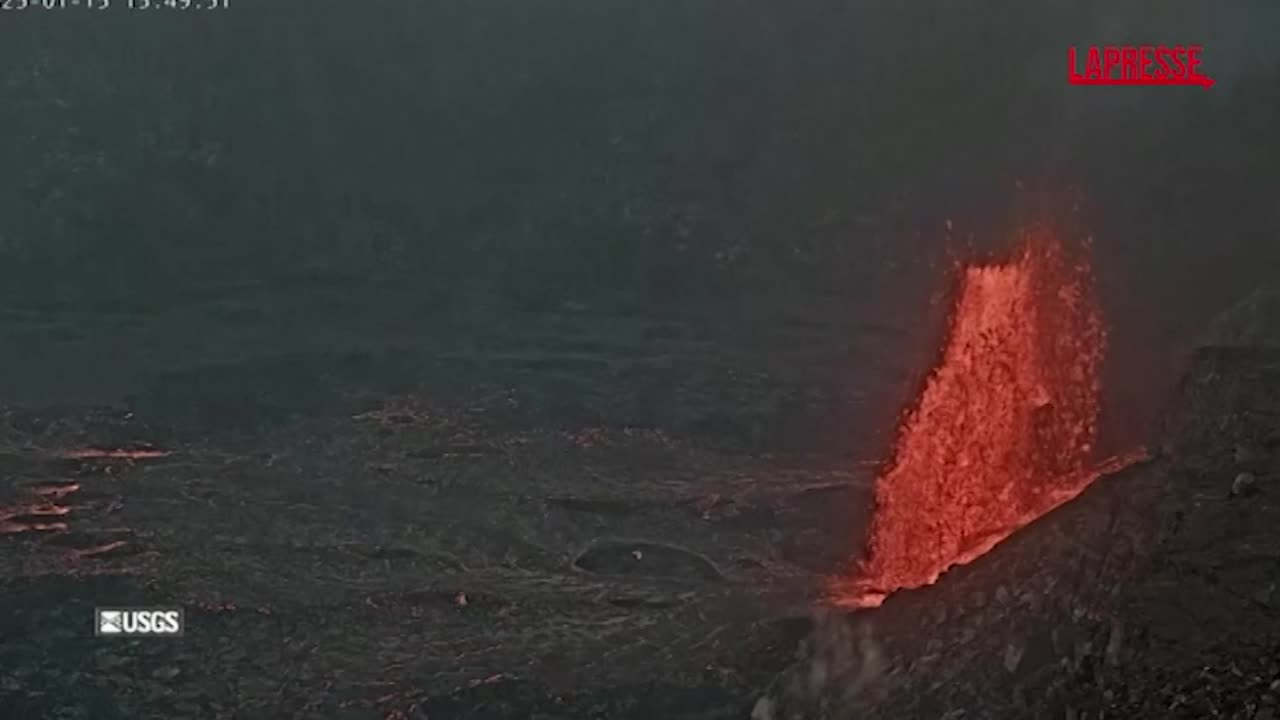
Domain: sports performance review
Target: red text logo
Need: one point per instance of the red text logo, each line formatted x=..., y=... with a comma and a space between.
x=1136, y=65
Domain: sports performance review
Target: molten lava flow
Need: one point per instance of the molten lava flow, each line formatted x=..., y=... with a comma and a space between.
x=1004, y=429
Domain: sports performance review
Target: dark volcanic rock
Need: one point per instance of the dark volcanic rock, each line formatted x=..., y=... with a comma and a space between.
x=1147, y=597
x=623, y=557
x=1253, y=322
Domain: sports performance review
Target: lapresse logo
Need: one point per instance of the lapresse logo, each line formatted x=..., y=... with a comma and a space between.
x=138, y=622
x=1137, y=65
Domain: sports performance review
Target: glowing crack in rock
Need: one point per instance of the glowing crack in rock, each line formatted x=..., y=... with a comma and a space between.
x=96, y=453
x=1004, y=429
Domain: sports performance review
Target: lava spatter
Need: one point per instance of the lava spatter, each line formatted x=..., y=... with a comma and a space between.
x=1004, y=428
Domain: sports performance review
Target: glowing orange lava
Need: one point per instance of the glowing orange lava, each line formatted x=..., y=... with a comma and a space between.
x=1004, y=429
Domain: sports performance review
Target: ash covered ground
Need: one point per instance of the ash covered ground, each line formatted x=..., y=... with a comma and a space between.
x=459, y=550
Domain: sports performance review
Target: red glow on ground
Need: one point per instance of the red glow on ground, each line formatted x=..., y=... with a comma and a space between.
x=1003, y=431
x=115, y=454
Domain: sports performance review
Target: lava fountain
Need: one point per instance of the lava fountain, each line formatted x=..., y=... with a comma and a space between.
x=1004, y=429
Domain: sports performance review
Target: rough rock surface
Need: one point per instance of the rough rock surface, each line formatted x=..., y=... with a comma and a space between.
x=1252, y=322
x=1154, y=595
